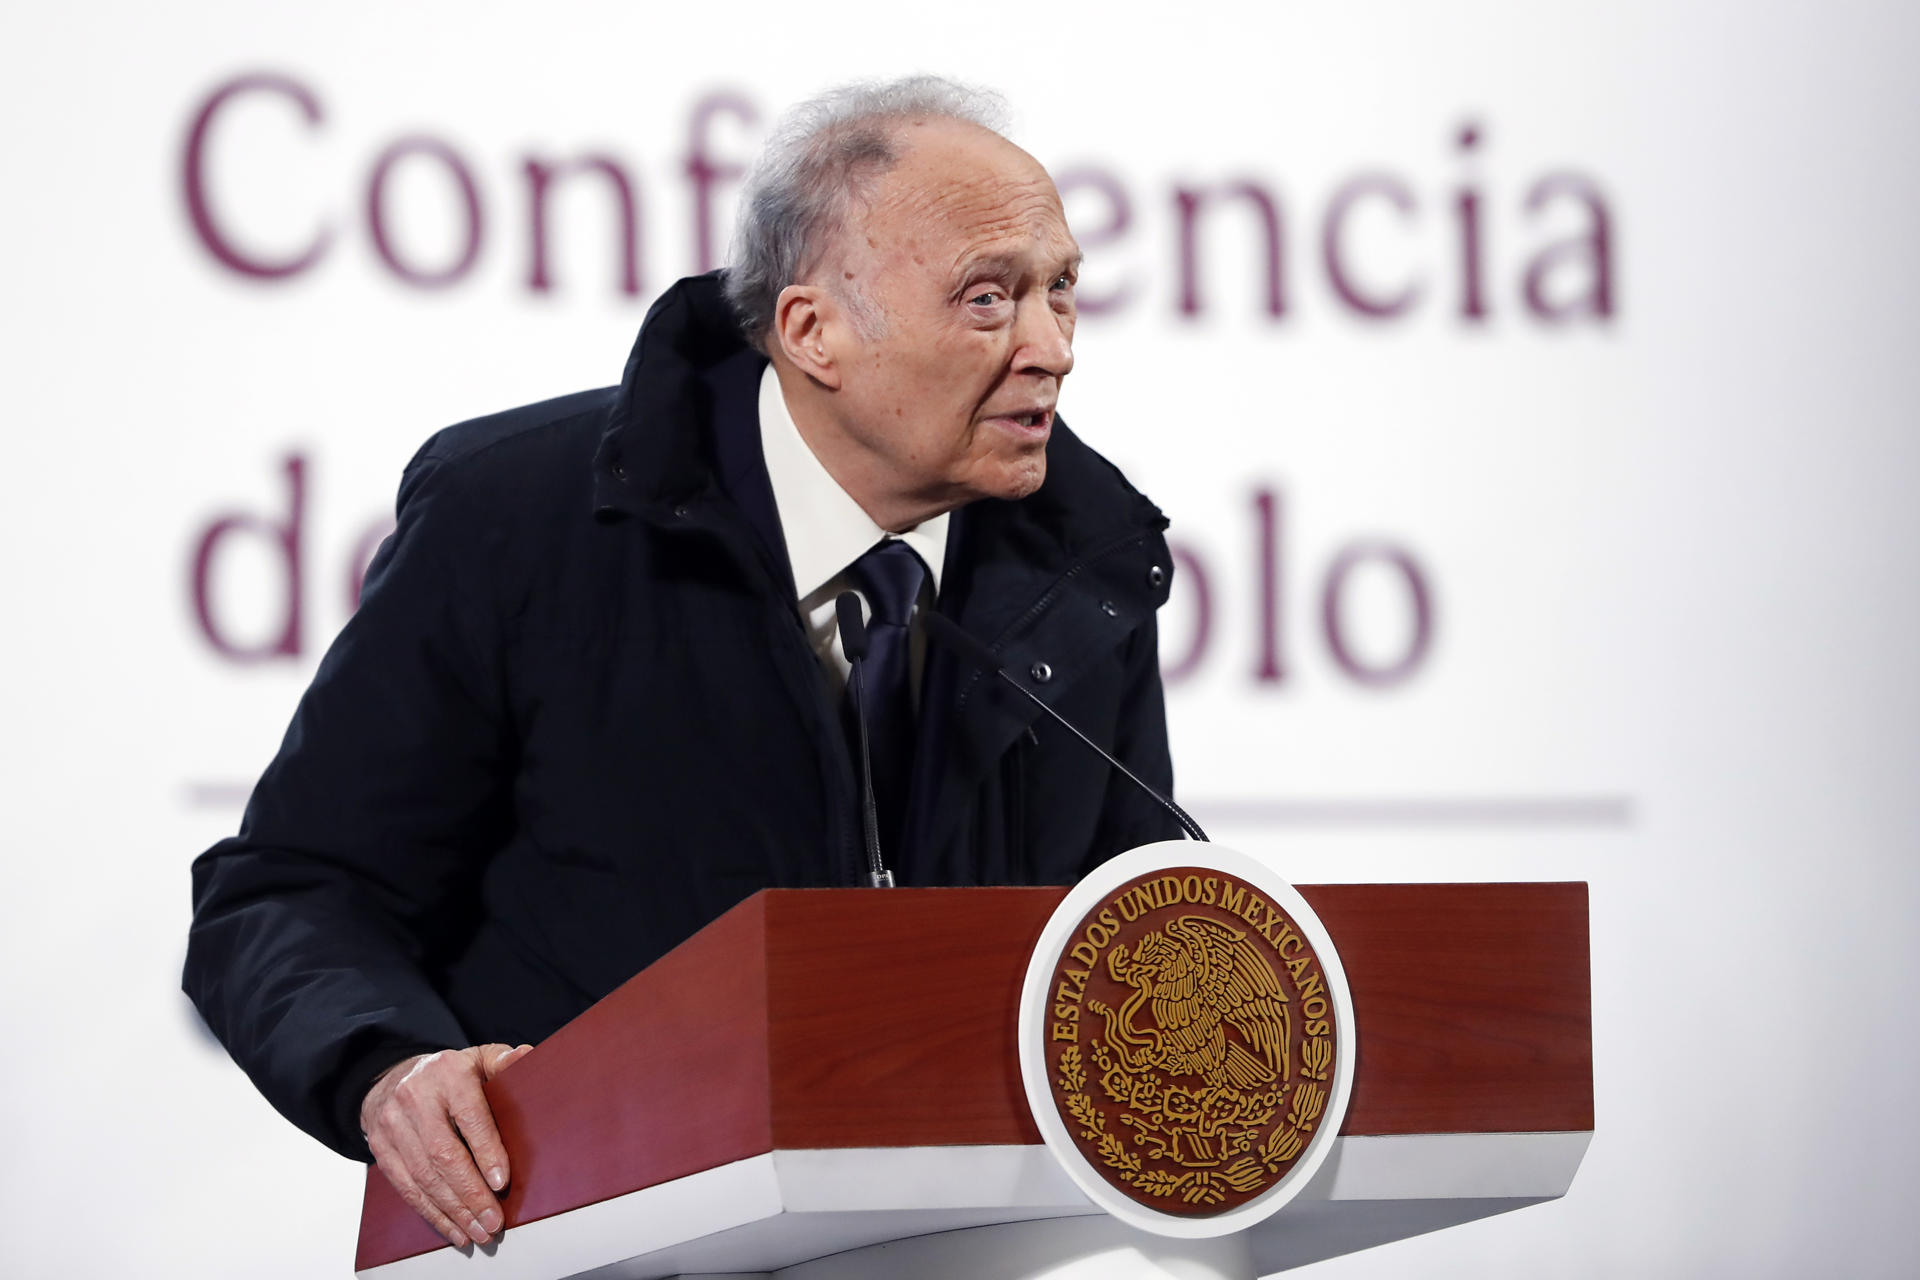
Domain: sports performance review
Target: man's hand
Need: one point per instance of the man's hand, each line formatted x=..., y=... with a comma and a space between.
x=433, y=1136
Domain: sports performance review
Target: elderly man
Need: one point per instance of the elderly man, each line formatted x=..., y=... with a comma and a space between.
x=592, y=696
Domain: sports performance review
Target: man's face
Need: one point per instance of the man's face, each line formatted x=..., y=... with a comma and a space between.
x=964, y=259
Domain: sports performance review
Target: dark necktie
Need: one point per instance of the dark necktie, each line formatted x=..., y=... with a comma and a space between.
x=889, y=576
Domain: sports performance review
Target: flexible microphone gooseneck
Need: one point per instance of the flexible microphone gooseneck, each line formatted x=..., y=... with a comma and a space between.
x=947, y=632
x=853, y=642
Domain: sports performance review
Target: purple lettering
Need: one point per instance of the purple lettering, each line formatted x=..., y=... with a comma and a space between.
x=1190, y=570
x=1189, y=201
x=361, y=558
x=1594, y=248
x=451, y=162
x=540, y=177
x=1095, y=233
x=1467, y=205
x=285, y=535
x=1334, y=623
x=1377, y=306
x=1266, y=506
x=193, y=172
x=704, y=173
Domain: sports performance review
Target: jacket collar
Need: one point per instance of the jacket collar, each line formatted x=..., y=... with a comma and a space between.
x=656, y=448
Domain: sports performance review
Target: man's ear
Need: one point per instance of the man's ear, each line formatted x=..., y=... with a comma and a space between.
x=803, y=317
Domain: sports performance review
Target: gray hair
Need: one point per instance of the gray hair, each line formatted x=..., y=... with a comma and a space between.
x=821, y=156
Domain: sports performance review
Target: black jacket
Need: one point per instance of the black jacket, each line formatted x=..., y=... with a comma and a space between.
x=576, y=717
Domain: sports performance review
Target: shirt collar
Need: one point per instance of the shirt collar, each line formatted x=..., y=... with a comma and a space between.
x=825, y=529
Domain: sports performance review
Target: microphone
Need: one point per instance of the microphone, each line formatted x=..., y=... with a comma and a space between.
x=853, y=642
x=949, y=633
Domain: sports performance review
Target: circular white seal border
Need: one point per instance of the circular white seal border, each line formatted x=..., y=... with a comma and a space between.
x=1035, y=997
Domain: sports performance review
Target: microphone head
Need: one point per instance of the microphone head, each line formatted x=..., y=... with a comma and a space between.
x=946, y=631
x=853, y=628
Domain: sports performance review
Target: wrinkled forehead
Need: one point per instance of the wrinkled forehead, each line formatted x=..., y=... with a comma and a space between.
x=959, y=189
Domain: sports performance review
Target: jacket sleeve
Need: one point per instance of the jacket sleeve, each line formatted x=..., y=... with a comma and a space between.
x=315, y=928
x=1130, y=818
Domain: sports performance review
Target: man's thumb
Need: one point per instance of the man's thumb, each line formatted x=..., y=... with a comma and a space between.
x=495, y=1058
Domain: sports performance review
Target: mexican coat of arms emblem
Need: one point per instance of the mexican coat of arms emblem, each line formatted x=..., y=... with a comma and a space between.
x=1190, y=1040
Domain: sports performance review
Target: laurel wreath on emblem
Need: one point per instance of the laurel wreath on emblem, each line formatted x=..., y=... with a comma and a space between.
x=1222, y=1133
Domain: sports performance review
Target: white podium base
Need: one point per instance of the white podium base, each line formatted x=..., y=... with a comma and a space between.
x=1090, y=1248
x=928, y=1213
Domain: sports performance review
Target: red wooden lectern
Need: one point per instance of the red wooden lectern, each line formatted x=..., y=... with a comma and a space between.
x=819, y=1070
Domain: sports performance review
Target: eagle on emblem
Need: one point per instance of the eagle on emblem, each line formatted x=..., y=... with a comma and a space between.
x=1199, y=977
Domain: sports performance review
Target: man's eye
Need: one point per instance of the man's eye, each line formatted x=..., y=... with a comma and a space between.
x=1064, y=281
x=986, y=299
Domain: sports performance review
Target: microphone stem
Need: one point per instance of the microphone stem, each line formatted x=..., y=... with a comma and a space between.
x=1187, y=824
x=877, y=874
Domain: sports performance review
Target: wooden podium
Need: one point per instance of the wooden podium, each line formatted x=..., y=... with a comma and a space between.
x=823, y=1070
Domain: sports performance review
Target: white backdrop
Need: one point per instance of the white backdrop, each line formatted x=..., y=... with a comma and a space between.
x=1663, y=531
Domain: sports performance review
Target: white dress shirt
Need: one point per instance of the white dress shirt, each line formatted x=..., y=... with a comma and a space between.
x=826, y=531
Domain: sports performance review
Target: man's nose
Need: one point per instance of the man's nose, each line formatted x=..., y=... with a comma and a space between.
x=1046, y=341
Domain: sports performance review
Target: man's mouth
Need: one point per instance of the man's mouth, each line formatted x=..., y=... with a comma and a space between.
x=1034, y=422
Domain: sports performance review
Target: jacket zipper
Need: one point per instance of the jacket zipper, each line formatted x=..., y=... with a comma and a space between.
x=1014, y=788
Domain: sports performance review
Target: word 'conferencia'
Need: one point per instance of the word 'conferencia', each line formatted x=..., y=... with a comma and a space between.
x=1369, y=225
